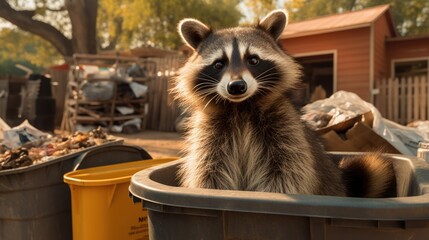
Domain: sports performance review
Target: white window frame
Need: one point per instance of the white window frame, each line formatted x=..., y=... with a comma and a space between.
x=398, y=60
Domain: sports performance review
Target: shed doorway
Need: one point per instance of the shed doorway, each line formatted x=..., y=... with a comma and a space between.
x=318, y=76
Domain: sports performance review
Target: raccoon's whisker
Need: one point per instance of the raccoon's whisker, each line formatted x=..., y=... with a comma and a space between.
x=205, y=86
x=264, y=89
x=202, y=85
x=264, y=92
x=218, y=99
x=265, y=72
x=209, y=76
x=203, y=93
x=267, y=84
x=210, y=80
x=268, y=81
x=211, y=85
x=261, y=74
x=270, y=74
x=206, y=92
x=209, y=102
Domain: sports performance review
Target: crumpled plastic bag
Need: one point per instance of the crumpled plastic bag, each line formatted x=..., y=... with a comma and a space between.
x=404, y=139
x=23, y=134
x=422, y=127
x=3, y=127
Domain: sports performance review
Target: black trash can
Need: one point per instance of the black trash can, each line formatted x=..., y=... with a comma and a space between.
x=44, y=104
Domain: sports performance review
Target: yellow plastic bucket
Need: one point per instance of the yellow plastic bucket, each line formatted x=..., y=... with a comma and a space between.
x=101, y=207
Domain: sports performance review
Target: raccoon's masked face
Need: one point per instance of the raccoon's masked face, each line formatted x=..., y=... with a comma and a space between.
x=235, y=65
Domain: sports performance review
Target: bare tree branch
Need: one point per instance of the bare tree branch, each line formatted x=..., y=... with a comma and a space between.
x=28, y=13
x=23, y=20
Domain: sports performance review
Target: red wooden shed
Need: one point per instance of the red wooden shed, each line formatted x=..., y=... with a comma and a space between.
x=351, y=51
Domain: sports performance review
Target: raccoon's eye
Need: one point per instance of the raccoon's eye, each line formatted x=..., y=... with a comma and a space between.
x=218, y=65
x=253, y=60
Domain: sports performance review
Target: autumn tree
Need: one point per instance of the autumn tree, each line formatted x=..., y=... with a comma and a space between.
x=81, y=14
x=87, y=26
x=153, y=22
x=24, y=46
x=259, y=8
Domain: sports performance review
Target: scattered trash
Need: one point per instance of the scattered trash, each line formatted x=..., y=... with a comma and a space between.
x=134, y=124
x=25, y=145
x=97, y=91
x=345, y=106
x=125, y=110
x=21, y=135
x=139, y=90
x=3, y=127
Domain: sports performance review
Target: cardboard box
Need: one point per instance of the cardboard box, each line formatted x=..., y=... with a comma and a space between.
x=355, y=135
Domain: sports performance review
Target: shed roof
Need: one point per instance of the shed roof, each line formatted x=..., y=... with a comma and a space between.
x=338, y=22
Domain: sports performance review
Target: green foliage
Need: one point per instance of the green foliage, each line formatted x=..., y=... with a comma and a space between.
x=166, y=15
x=259, y=8
x=7, y=67
x=121, y=24
x=124, y=24
x=411, y=17
x=25, y=47
x=154, y=22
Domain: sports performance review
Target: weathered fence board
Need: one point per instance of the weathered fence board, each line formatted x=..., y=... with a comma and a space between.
x=403, y=100
x=163, y=110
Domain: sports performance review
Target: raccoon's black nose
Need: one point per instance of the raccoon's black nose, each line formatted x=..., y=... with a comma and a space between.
x=237, y=87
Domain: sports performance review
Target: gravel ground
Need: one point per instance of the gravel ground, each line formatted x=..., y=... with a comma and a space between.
x=157, y=144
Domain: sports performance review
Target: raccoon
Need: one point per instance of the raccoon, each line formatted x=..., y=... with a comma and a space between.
x=244, y=131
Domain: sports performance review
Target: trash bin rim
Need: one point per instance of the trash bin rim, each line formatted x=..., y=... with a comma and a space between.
x=129, y=168
x=147, y=189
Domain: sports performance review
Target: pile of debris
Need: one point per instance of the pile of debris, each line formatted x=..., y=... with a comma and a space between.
x=348, y=124
x=25, y=146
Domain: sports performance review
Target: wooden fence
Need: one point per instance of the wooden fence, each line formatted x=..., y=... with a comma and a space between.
x=163, y=110
x=403, y=100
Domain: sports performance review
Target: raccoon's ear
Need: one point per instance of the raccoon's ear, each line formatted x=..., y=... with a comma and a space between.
x=274, y=23
x=193, y=32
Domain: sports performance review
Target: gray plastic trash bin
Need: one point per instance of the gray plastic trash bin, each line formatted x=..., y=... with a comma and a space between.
x=35, y=202
x=111, y=155
x=183, y=213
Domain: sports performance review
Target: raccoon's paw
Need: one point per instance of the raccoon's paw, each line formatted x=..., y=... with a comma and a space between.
x=369, y=175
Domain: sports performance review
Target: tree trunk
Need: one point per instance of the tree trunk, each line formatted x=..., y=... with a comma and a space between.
x=24, y=20
x=83, y=16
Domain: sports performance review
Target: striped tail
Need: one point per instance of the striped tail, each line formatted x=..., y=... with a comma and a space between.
x=370, y=176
